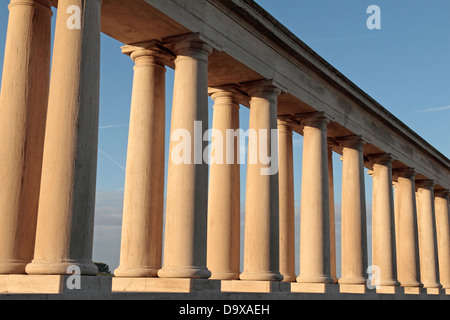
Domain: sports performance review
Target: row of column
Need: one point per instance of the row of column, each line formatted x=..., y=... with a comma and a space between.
x=48, y=138
x=203, y=234
x=202, y=222
x=49, y=168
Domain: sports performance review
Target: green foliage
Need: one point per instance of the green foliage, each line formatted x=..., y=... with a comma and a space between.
x=103, y=269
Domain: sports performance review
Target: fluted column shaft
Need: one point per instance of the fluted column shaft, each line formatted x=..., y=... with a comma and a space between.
x=142, y=226
x=223, y=259
x=408, y=272
x=315, y=210
x=287, y=201
x=383, y=228
x=441, y=203
x=426, y=228
x=354, y=232
x=261, y=250
x=187, y=184
x=23, y=109
x=64, y=235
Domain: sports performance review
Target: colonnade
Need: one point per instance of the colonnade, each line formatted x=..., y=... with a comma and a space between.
x=48, y=193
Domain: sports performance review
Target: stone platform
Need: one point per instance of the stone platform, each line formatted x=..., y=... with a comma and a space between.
x=14, y=287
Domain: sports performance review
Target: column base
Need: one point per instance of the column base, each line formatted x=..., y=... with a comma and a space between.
x=13, y=267
x=60, y=268
x=254, y=286
x=353, y=280
x=261, y=276
x=289, y=277
x=389, y=283
x=184, y=273
x=53, y=284
x=164, y=285
x=431, y=285
x=143, y=272
x=314, y=288
x=315, y=279
x=221, y=275
x=412, y=284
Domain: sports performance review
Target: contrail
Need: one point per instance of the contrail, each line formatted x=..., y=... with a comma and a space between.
x=112, y=160
x=113, y=126
x=434, y=109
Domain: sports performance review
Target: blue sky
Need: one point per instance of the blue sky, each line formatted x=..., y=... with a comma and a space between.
x=405, y=66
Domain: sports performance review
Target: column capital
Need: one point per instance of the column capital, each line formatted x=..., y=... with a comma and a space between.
x=44, y=3
x=195, y=38
x=265, y=89
x=284, y=127
x=192, y=45
x=151, y=51
x=286, y=124
x=332, y=143
x=354, y=141
x=228, y=92
x=382, y=159
x=425, y=184
x=442, y=193
x=313, y=119
x=408, y=173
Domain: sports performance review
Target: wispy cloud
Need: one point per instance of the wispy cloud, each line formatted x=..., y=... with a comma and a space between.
x=433, y=109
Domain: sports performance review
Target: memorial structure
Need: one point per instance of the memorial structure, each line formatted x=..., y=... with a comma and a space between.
x=238, y=54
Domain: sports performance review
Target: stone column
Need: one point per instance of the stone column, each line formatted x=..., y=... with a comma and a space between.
x=426, y=226
x=261, y=250
x=396, y=204
x=331, y=143
x=406, y=229
x=287, y=201
x=354, y=232
x=64, y=235
x=383, y=227
x=443, y=235
x=223, y=258
x=187, y=184
x=315, y=210
x=141, y=250
x=23, y=109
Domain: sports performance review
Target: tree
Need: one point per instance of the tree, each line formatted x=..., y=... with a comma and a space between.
x=103, y=268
